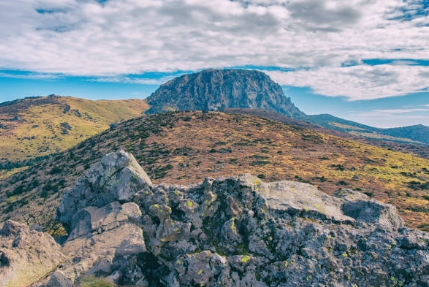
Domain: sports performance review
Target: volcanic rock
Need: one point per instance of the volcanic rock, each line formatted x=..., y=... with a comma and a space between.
x=212, y=90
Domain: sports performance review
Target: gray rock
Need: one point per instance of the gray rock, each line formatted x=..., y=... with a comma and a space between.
x=241, y=231
x=59, y=279
x=103, y=239
x=220, y=89
x=117, y=177
x=26, y=255
x=236, y=231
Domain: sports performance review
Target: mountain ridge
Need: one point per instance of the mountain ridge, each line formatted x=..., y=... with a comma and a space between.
x=414, y=134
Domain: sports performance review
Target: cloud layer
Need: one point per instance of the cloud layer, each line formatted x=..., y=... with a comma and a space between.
x=324, y=42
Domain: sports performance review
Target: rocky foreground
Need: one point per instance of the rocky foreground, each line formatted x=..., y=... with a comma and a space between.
x=236, y=231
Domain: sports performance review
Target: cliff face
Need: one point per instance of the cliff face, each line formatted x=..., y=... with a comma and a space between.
x=236, y=231
x=219, y=89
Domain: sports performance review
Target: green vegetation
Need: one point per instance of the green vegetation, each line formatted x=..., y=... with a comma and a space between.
x=95, y=282
x=45, y=125
x=174, y=149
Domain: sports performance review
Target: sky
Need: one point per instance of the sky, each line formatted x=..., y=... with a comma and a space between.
x=362, y=60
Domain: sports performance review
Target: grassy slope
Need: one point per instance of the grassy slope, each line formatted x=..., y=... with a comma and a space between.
x=185, y=148
x=37, y=128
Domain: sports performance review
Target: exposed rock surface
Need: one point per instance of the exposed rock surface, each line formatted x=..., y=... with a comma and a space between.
x=236, y=231
x=219, y=89
x=26, y=255
x=117, y=177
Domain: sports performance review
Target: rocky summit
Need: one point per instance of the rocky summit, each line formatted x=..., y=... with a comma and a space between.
x=213, y=90
x=236, y=231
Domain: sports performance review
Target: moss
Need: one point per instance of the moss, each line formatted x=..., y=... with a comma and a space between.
x=233, y=224
x=245, y=258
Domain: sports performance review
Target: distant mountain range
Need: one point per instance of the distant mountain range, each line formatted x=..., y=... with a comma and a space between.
x=418, y=134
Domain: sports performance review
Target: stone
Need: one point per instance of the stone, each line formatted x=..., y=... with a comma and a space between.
x=59, y=279
x=101, y=237
x=117, y=177
x=232, y=231
x=26, y=255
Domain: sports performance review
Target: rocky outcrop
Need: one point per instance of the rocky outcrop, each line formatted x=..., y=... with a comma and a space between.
x=236, y=231
x=26, y=255
x=105, y=235
x=117, y=177
x=213, y=90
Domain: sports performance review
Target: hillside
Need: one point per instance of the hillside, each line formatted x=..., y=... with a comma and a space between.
x=185, y=148
x=416, y=135
x=43, y=125
x=417, y=148
x=216, y=90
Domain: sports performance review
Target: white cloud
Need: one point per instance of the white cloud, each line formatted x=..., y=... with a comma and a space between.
x=362, y=82
x=120, y=37
x=31, y=76
x=128, y=80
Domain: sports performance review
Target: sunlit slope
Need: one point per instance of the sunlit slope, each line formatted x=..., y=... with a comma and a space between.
x=38, y=126
x=187, y=147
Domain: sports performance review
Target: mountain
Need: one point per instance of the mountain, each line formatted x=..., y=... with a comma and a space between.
x=415, y=148
x=41, y=126
x=212, y=90
x=418, y=134
x=217, y=90
x=232, y=231
x=185, y=147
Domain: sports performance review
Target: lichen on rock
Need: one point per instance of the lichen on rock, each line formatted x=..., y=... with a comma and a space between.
x=235, y=231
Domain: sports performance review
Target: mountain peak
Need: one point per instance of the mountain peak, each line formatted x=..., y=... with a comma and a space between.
x=214, y=89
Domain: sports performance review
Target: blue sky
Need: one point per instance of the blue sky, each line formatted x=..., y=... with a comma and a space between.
x=362, y=60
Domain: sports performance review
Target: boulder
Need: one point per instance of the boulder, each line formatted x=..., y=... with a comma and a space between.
x=101, y=237
x=26, y=255
x=59, y=279
x=117, y=177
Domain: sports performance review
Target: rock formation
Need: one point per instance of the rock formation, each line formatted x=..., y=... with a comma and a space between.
x=26, y=255
x=236, y=231
x=220, y=89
